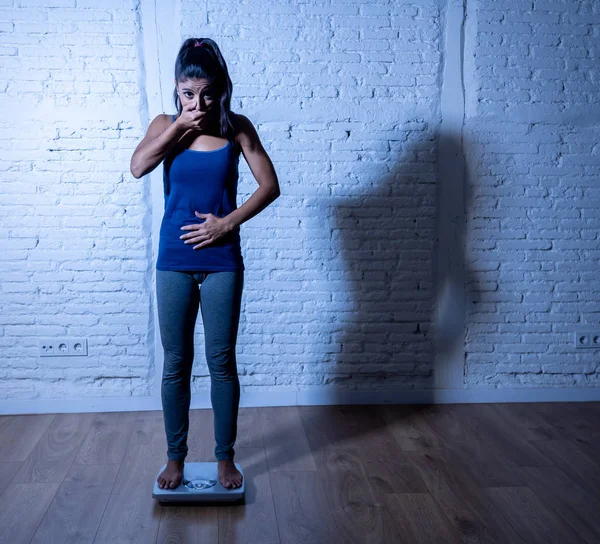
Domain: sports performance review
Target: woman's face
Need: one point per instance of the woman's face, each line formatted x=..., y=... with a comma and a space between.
x=200, y=93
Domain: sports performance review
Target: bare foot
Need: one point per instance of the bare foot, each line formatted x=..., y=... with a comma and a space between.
x=171, y=477
x=229, y=475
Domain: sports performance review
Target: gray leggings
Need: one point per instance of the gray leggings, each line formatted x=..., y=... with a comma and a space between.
x=218, y=294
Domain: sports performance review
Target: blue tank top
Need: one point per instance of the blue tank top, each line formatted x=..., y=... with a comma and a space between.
x=203, y=181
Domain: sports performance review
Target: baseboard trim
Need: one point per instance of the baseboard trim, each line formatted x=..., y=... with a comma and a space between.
x=293, y=397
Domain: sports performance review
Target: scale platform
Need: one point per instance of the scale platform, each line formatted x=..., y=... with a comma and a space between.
x=200, y=484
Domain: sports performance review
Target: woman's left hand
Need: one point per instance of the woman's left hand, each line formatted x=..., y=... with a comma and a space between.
x=208, y=232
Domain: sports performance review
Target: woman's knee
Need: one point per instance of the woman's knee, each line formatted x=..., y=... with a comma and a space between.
x=222, y=362
x=176, y=363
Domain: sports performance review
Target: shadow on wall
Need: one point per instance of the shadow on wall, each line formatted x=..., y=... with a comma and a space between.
x=380, y=316
x=391, y=316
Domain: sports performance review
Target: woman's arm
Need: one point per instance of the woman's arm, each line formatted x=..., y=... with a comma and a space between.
x=161, y=136
x=262, y=168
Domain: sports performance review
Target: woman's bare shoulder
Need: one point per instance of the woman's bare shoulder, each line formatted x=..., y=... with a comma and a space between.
x=244, y=129
x=159, y=124
x=239, y=121
x=167, y=118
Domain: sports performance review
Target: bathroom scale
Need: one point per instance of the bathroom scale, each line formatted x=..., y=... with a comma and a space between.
x=200, y=484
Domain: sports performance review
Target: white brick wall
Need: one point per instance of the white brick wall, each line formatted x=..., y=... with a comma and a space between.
x=338, y=281
x=75, y=254
x=339, y=286
x=533, y=219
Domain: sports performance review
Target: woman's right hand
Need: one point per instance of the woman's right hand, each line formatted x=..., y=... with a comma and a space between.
x=191, y=119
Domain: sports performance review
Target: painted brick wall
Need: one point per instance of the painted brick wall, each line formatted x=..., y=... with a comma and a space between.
x=75, y=240
x=339, y=286
x=533, y=252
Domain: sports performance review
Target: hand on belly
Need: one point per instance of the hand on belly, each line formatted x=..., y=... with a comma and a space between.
x=205, y=233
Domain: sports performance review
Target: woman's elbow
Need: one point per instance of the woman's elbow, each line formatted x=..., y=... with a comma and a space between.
x=273, y=186
x=135, y=170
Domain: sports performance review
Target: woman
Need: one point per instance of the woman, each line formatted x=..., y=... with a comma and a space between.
x=199, y=260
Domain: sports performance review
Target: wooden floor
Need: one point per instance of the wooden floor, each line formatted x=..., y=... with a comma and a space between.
x=469, y=473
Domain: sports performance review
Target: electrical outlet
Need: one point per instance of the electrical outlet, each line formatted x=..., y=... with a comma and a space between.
x=62, y=347
x=78, y=347
x=587, y=339
x=46, y=347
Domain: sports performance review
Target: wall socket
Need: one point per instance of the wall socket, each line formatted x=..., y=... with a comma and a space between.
x=587, y=339
x=62, y=347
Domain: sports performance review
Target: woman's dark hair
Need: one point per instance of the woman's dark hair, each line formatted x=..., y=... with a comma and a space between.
x=206, y=62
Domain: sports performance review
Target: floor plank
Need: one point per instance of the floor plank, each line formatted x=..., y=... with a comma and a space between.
x=453, y=483
x=531, y=517
x=568, y=500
